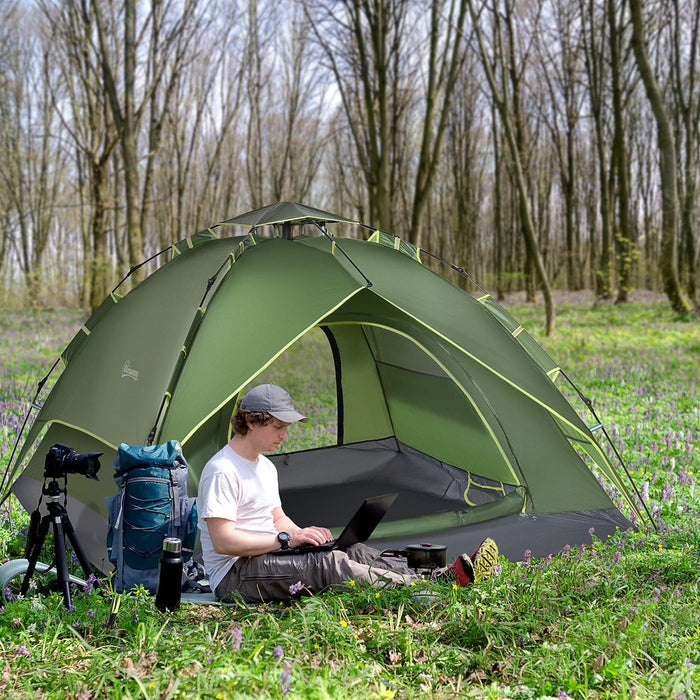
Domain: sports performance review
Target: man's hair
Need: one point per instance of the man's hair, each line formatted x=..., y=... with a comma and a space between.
x=241, y=418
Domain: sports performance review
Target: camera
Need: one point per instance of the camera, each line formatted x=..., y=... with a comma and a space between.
x=62, y=460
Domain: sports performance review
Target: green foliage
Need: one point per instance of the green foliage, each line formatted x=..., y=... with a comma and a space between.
x=613, y=619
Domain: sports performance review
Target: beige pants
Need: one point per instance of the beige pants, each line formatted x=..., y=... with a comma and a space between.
x=269, y=577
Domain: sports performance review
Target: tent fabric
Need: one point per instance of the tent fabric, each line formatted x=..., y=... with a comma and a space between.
x=440, y=396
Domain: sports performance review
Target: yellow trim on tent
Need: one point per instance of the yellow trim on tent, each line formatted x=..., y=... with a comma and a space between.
x=500, y=489
x=485, y=296
x=517, y=481
x=465, y=495
x=81, y=430
x=267, y=364
x=554, y=373
x=85, y=330
x=374, y=238
x=517, y=331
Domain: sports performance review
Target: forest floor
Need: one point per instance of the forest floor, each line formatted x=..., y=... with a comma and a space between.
x=614, y=618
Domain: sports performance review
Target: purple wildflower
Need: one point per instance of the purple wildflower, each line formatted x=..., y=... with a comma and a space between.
x=567, y=549
x=8, y=593
x=278, y=652
x=296, y=588
x=17, y=620
x=22, y=651
x=526, y=557
x=591, y=530
x=286, y=678
x=91, y=584
x=617, y=557
x=236, y=637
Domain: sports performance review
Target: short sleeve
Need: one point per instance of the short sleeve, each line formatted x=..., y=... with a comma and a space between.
x=219, y=496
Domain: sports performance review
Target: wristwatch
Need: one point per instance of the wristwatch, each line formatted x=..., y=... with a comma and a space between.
x=283, y=538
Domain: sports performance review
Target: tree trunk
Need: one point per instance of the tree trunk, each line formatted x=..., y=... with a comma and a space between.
x=624, y=237
x=528, y=226
x=668, y=167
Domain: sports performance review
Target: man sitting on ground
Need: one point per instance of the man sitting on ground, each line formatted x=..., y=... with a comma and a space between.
x=242, y=520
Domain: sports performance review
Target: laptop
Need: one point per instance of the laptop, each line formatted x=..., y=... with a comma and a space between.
x=359, y=529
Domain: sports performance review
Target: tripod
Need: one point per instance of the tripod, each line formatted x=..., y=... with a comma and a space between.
x=62, y=528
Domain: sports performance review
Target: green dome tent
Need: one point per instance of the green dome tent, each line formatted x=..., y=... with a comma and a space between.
x=440, y=396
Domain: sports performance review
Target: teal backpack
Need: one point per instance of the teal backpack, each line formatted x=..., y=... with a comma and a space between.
x=152, y=504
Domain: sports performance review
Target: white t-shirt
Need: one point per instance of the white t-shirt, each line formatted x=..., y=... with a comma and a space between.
x=237, y=489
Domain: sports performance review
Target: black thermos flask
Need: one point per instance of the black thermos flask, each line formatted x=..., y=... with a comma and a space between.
x=169, y=575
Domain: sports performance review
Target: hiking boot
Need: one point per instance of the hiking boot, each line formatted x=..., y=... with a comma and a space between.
x=464, y=570
x=484, y=559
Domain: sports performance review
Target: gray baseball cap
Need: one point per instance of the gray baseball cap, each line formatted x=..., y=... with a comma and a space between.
x=272, y=399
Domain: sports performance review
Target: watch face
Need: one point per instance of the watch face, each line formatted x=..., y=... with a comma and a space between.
x=283, y=538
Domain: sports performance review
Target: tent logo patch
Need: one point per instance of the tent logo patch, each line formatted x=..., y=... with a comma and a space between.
x=128, y=372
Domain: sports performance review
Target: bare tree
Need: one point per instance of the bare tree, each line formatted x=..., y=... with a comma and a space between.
x=503, y=98
x=446, y=51
x=86, y=118
x=595, y=42
x=380, y=75
x=167, y=49
x=285, y=135
x=685, y=46
x=667, y=164
x=362, y=41
x=561, y=65
x=625, y=237
x=192, y=184
x=463, y=178
x=32, y=166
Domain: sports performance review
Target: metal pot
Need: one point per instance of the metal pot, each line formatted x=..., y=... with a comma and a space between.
x=425, y=555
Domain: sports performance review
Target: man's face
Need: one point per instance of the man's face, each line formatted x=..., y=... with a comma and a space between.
x=269, y=437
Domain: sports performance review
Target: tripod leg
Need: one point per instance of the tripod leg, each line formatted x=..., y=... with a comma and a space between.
x=77, y=547
x=33, y=554
x=61, y=561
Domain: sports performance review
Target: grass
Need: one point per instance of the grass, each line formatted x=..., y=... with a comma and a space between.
x=612, y=619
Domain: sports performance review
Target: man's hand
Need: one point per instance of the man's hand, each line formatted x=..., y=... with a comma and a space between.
x=309, y=535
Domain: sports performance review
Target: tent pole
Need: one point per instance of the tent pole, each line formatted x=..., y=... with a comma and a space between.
x=10, y=472
x=133, y=268
x=330, y=237
x=599, y=425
